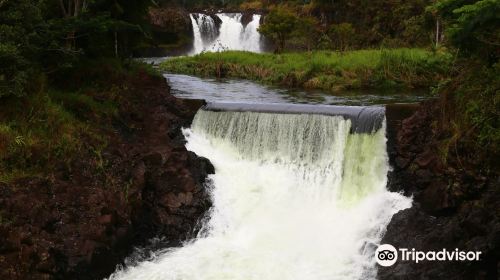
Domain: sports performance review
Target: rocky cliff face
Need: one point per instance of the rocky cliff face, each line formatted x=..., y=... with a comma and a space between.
x=455, y=205
x=81, y=221
x=171, y=33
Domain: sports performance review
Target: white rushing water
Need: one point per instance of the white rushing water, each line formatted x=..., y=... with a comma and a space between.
x=294, y=197
x=231, y=35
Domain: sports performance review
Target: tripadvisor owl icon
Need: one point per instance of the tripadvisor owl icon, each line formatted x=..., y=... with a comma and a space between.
x=386, y=255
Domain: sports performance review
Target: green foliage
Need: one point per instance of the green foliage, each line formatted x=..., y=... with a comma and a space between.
x=418, y=30
x=473, y=26
x=325, y=70
x=400, y=22
x=471, y=106
x=279, y=26
x=252, y=5
x=35, y=131
x=306, y=33
x=21, y=31
x=123, y=18
x=39, y=132
x=470, y=100
x=98, y=74
x=39, y=38
x=387, y=23
x=43, y=131
x=200, y=3
x=341, y=35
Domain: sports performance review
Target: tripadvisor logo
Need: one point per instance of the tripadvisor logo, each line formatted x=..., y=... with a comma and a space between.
x=387, y=255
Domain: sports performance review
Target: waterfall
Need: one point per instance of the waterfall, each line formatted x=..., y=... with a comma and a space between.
x=295, y=196
x=198, y=42
x=230, y=35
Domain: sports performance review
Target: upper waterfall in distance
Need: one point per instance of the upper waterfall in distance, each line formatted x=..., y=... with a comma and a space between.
x=230, y=35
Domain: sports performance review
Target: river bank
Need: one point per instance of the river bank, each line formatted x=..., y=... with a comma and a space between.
x=455, y=202
x=128, y=179
x=83, y=217
x=325, y=70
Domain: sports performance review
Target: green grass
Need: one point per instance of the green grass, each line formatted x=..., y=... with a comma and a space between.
x=71, y=119
x=470, y=114
x=331, y=71
x=40, y=130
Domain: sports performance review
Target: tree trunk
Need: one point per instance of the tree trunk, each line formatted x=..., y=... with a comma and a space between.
x=116, y=44
x=437, y=33
x=71, y=8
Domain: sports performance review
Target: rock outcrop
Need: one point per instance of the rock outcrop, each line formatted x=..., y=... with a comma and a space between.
x=85, y=218
x=455, y=205
x=171, y=33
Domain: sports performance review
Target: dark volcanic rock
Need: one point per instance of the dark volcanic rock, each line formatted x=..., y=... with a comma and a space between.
x=455, y=206
x=246, y=18
x=81, y=221
x=217, y=21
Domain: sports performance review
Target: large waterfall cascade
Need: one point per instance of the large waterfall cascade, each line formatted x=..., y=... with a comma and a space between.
x=295, y=196
x=230, y=35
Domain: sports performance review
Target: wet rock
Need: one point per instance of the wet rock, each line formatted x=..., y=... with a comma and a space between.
x=200, y=167
x=217, y=21
x=246, y=18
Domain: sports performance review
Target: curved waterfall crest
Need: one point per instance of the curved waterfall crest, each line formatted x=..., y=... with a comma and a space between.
x=295, y=196
x=364, y=119
x=229, y=34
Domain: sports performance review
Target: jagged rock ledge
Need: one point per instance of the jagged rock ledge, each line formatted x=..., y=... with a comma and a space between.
x=455, y=204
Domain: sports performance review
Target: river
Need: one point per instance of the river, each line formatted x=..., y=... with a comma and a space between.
x=190, y=87
x=299, y=191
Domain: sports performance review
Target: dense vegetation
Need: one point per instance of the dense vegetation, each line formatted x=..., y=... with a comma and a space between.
x=200, y=3
x=49, y=51
x=45, y=39
x=66, y=78
x=331, y=71
x=45, y=129
x=462, y=36
x=326, y=24
x=61, y=69
x=351, y=24
x=470, y=101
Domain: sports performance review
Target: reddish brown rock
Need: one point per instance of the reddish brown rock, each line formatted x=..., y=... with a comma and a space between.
x=82, y=220
x=424, y=159
x=456, y=205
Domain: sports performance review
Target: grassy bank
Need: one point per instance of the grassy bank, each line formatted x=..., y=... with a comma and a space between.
x=326, y=70
x=469, y=117
x=61, y=119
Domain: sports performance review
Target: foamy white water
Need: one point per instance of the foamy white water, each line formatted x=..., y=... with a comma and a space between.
x=295, y=197
x=198, y=41
x=231, y=35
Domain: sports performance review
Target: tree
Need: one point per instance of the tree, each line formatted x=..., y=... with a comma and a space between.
x=341, y=35
x=45, y=37
x=72, y=9
x=473, y=26
x=21, y=34
x=279, y=25
x=306, y=32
